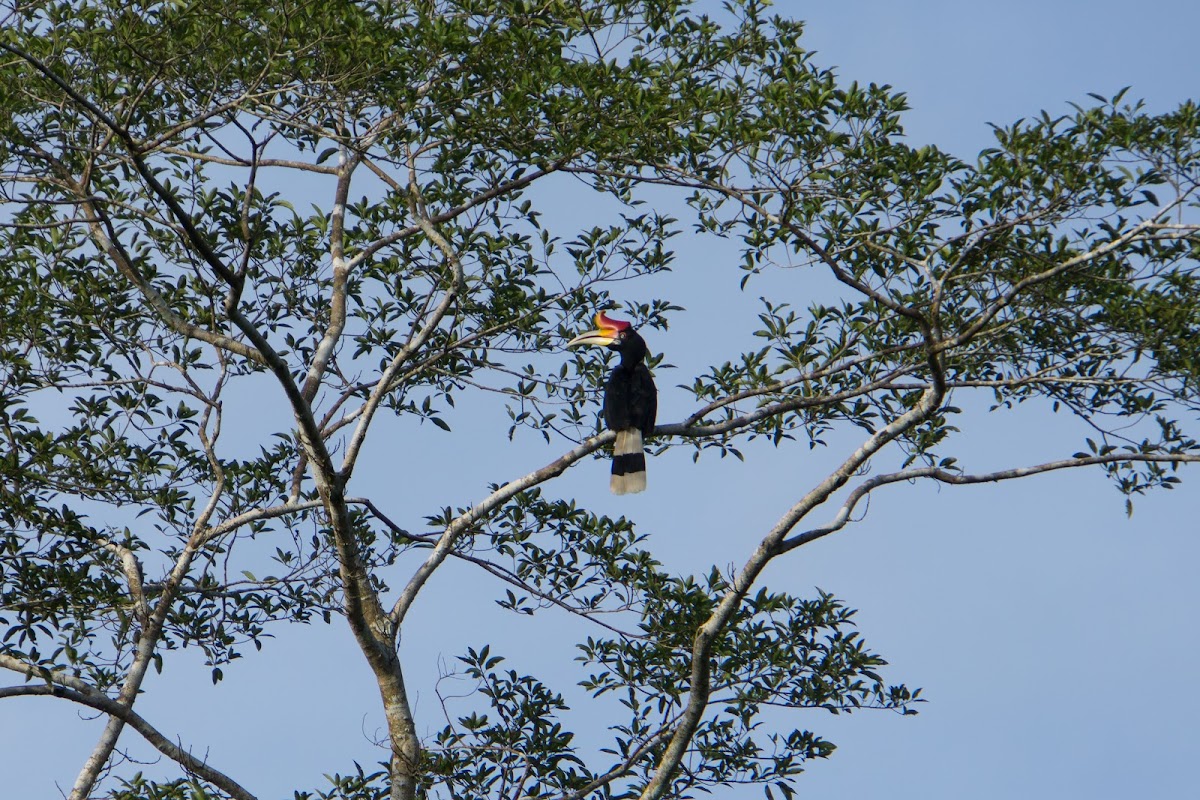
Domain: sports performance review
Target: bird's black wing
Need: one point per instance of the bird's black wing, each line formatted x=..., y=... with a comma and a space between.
x=617, y=392
x=643, y=400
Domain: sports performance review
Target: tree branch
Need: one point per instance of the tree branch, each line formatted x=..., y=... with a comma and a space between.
x=959, y=479
x=708, y=633
x=986, y=315
x=464, y=522
x=105, y=235
x=692, y=431
x=677, y=177
x=128, y=716
x=495, y=570
x=341, y=274
x=418, y=338
x=445, y=216
x=621, y=769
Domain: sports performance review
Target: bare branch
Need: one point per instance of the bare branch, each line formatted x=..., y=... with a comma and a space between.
x=264, y=163
x=258, y=515
x=31, y=671
x=959, y=479
x=341, y=274
x=134, y=578
x=128, y=716
x=775, y=409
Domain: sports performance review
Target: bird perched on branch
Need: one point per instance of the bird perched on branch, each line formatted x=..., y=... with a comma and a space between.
x=630, y=400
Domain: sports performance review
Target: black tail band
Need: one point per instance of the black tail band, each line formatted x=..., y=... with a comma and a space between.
x=628, y=463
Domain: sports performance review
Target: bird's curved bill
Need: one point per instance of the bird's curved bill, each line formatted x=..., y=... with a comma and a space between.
x=601, y=337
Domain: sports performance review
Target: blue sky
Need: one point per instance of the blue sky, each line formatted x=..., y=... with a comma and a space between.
x=1054, y=637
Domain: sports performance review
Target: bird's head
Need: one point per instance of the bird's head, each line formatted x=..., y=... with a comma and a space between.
x=616, y=335
x=609, y=333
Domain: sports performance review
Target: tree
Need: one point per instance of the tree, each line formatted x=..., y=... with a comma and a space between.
x=203, y=202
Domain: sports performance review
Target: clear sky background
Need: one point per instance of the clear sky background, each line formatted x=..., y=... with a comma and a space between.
x=1055, y=639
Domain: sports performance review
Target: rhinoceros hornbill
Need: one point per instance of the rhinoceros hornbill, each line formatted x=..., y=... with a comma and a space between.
x=630, y=400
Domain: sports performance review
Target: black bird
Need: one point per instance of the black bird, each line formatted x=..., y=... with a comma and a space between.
x=630, y=400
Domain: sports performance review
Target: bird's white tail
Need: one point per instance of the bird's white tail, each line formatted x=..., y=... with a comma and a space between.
x=629, y=463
